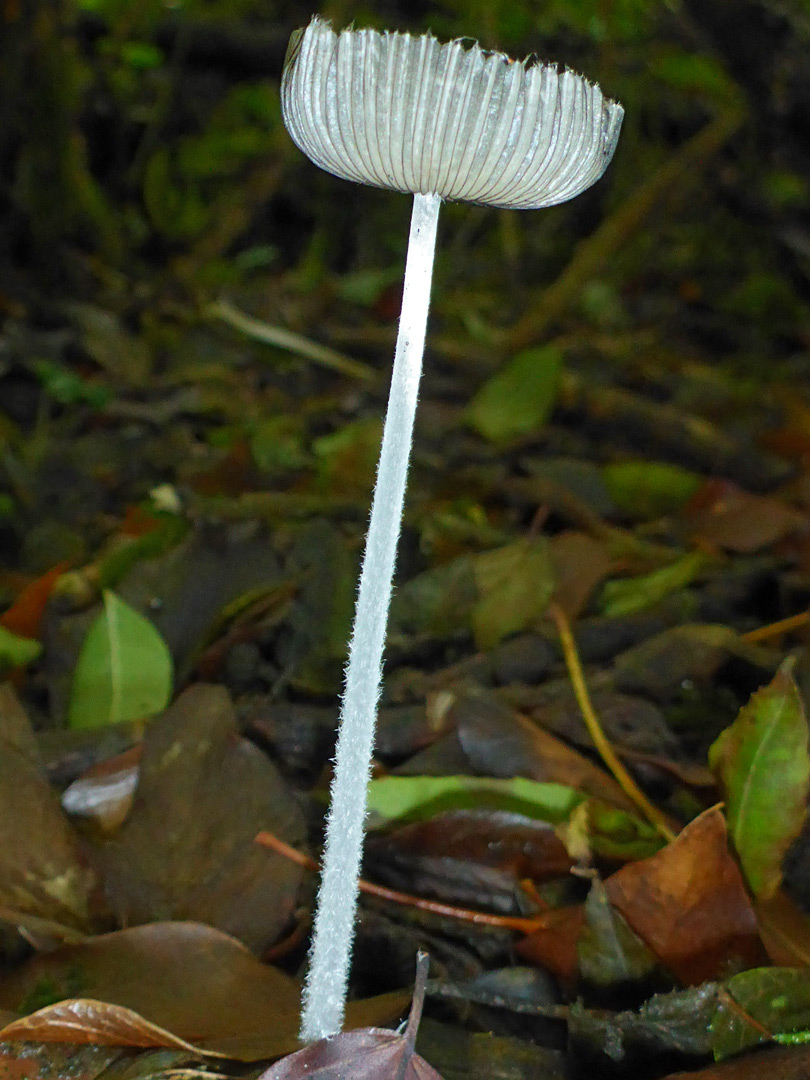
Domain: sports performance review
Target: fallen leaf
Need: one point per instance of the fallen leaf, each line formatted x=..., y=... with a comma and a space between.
x=25, y=614
x=518, y=399
x=784, y=929
x=468, y=857
x=186, y=850
x=500, y=742
x=607, y=949
x=124, y=671
x=579, y=563
x=760, y=1003
x=170, y=984
x=45, y=884
x=776, y=1063
x=553, y=945
x=366, y=1054
x=689, y=904
x=514, y=583
x=103, y=794
x=724, y=515
x=763, y=764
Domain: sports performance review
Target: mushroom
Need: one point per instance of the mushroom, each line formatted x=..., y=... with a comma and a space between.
x=441, y=121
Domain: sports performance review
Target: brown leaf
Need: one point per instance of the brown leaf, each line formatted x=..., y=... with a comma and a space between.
x=83, y=1020
x=726, y=516
x=186, y=850
x=689, y=904
x=775, y=1063
x=469, y=857
x=44, y=884
x=172, y=984
x=501, y=743
x=554, y=945
x=580, y=564
x=785, y=930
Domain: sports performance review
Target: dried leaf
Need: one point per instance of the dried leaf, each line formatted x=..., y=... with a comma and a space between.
x=763, y=764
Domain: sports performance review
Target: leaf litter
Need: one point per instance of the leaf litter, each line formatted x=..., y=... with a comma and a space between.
x=574, y=452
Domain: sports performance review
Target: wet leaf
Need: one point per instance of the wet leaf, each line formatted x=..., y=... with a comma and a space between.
x=777, y=1063
x=186, y=851
x=763, y=764
x=678, y=1022
x=365, y=1054
x=170, y=984
x=554, y=945
x=165, y=984
x=608, y=950
x=124, y=671
x=461, y=1055
x=519, y=398
x=688, y=903
x=515, y=584
x=500, y=742
x=476, y=858
x=760, y=1002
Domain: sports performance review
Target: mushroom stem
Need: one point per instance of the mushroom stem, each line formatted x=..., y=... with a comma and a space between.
x=325, y=990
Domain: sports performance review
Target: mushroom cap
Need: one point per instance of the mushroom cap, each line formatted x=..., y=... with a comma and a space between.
x=415, y=115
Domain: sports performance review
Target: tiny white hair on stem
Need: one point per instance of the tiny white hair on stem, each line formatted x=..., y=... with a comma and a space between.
x=441, y=122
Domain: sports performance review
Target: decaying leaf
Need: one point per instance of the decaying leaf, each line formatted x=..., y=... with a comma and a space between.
x=45, y=884
x=186, y=850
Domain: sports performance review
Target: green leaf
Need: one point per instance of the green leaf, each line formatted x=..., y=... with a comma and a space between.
x=124, y=671
x=776, y=999
x=515, y=584
x=16, y=651
x=626, y=596
x=395, y=797
x=519, y=399
x=649, y=489
x=763, y=765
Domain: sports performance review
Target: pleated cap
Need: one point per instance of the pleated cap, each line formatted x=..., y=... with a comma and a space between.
x=415, y=115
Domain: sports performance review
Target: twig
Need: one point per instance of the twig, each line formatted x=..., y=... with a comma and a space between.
x=480, y=918
x=598, y=737
x=784, y=626
x=280, y=338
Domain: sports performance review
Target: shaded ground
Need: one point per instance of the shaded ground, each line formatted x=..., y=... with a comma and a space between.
x=613, y=433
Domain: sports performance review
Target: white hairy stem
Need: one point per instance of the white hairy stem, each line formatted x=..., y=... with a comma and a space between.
x=325, y=990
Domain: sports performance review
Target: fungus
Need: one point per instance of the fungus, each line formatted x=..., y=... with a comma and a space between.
x=440, y=121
